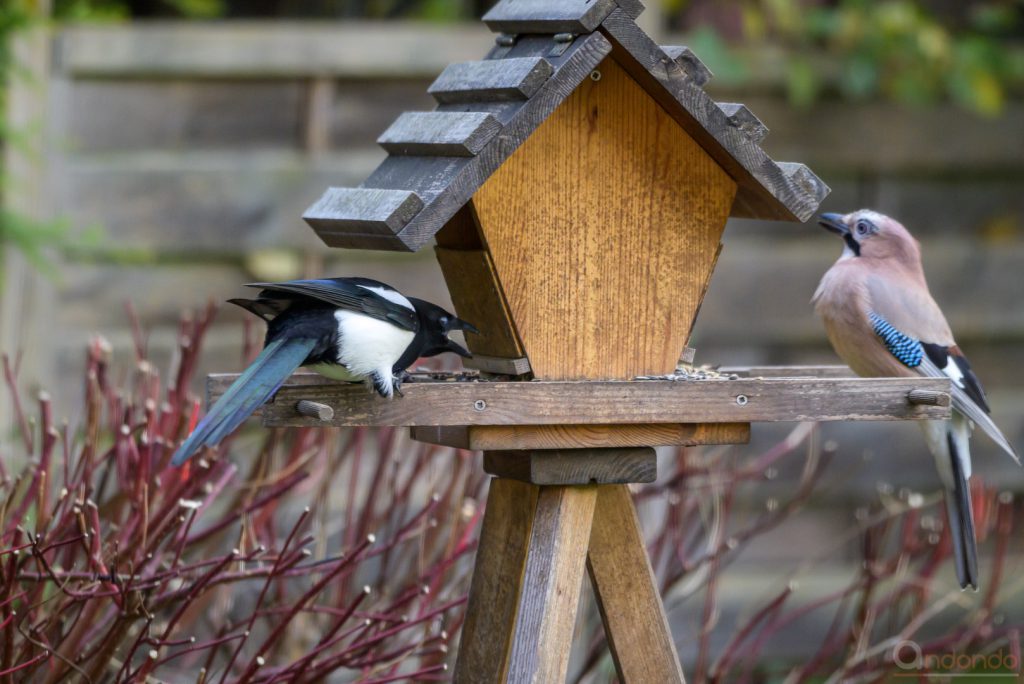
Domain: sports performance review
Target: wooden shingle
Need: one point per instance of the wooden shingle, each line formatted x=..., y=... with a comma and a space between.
x=439, y=134
x=516, y=78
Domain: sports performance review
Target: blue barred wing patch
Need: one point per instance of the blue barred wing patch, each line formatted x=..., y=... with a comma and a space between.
x=905, y=348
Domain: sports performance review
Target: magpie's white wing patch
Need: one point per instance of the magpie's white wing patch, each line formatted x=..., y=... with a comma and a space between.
x=392, y=295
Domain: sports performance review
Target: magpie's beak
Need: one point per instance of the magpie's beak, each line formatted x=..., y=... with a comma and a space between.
x=459, y=324
x=453, y=346
x=834, y=223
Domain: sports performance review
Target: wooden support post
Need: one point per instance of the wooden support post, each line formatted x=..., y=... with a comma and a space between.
x=627, y=593
x=497, y=579
x=542, y=526
x=551, y=584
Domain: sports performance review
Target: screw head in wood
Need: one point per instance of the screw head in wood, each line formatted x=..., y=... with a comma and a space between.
x=595, y=75
x=479, y=405
x=741, y=400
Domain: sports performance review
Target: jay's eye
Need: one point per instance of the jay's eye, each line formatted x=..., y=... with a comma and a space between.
x=444, y=321
x=864, y=227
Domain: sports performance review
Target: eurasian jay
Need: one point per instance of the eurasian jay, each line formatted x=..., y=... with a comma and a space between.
x=882, y=321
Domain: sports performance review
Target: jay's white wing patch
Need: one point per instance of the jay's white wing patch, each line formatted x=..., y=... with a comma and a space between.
x=967, y=406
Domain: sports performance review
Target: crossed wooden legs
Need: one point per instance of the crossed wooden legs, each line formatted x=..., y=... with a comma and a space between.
x=534, y=545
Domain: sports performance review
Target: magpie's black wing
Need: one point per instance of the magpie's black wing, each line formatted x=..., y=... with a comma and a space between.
x=362, y=295
x=266, y=308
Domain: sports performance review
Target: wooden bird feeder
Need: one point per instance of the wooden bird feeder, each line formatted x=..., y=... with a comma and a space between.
x=577, y=182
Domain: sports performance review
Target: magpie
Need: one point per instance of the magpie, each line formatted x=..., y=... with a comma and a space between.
x=349, y=329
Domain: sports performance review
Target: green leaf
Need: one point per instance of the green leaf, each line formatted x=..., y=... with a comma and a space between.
x=909, y=88
x=802, y=82
x=859, y=77
x=198, y=9
x=719, y=57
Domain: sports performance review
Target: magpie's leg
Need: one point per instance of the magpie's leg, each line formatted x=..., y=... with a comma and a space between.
x=400, y=377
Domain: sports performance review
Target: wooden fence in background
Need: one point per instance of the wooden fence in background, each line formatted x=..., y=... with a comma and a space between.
x=195, y=148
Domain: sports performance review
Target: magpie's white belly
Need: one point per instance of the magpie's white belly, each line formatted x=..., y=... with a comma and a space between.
x=367, y=345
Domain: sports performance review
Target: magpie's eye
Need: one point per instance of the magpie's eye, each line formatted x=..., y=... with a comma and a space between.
x=444, y=321
x=864, y=227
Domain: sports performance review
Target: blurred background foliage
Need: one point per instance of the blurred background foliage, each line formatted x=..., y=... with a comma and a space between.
x=916, y=53
x=908, y=51
x=28, y=236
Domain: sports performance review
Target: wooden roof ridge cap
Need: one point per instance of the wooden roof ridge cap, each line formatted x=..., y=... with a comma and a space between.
x=555, y=16
x=794, y=187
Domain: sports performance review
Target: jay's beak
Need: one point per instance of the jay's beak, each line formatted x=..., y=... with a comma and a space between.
x=834, y=223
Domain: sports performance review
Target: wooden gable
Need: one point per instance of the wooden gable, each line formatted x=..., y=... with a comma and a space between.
x=604, y=227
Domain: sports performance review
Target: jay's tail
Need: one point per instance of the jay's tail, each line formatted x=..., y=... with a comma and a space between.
x=252, y=389
x=958, y=504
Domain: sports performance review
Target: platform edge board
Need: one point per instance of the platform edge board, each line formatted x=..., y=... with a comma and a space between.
x=506, y=437
x=609, y=402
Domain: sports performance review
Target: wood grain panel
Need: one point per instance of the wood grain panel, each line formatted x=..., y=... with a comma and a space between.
x=551, y=584
x=627, y=593
x=500, y=437
x=764, y=190
x=603, y=227
x=497, y=579
x=476, y=294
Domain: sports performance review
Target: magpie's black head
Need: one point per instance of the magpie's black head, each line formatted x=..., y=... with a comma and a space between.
x=435, y=324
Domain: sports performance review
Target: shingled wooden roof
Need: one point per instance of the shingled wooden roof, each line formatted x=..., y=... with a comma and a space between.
x=486, y=109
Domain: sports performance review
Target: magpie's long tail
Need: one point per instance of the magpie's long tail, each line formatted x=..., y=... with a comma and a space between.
x=252, y=389
x=958, y=505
